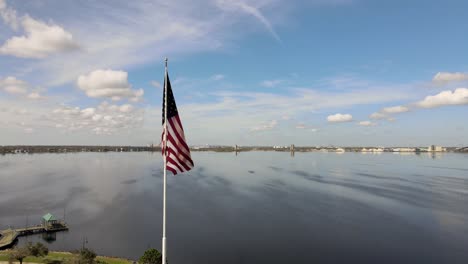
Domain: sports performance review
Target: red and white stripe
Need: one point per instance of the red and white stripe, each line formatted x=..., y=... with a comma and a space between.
x=177, y=152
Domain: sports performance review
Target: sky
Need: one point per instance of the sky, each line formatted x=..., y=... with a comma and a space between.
x=264, y=72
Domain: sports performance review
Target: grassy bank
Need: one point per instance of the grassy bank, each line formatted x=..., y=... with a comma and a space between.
x=55, y=256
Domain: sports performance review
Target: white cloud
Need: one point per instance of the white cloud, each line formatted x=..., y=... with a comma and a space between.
x=108, y=84
x=265, y=126
x=377, y=115
x=270, y=83
x=106, y=119
x=336, y=118
x=314, y=129
x=40, y=41
x=457, y=97
x=366, y=123
x=12, y=85
x=385, y=112
x=445, y=77
x=217, y=77
x=395, y=109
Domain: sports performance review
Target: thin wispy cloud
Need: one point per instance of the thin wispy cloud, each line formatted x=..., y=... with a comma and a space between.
x=271, y=83
x=446, y=77
x=156, y=84
x=242, y=6
x=8, y=15
x=265, y=126
x=395, y=109
x=217, y=77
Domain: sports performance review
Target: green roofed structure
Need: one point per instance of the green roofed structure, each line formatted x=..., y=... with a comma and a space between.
x=49, y=217
x=49, y=221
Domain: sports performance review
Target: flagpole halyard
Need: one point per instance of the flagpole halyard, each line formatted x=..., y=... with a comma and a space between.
x=165, y=166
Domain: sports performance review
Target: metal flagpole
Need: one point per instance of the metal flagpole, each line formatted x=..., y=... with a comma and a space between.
x=165, y=152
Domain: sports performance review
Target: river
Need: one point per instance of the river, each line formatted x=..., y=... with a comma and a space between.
x=256, y=207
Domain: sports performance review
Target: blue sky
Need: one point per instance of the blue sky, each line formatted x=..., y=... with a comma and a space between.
x=267, y=72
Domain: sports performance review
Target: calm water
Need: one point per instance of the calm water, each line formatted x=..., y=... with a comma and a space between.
x=258, y=207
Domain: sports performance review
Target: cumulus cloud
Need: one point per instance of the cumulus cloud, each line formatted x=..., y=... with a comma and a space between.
x=336, y=118
x=265, y=126
x=271, y=83
x=457, y=97
x=395, y=109
x=40, y=41
x=366, y=123
x=14, y=86
x=445, y=77
x=105, y=119
x=108, y=84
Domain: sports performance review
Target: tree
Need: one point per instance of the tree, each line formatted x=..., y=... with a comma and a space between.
x=20, y=253
x=151, y=256
x=37, y=250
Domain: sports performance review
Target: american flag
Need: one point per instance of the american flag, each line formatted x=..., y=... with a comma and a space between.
x=175, y=148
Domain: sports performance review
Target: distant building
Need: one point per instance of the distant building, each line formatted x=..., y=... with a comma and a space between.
x=434, y=148
x=49, y=221
x=404, y=150
x=280, y=147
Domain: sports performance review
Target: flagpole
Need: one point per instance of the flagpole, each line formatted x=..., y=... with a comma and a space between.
x=165, y=151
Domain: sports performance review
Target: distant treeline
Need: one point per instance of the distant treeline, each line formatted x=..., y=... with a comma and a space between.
x=58, y=149
x=72, y=148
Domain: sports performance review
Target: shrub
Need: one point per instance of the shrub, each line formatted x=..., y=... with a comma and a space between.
x=37, y=250
x=151, y=256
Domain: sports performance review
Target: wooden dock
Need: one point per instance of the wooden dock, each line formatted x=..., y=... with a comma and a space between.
x=9, y=236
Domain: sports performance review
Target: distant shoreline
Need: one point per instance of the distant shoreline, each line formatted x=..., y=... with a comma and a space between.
x=24, y=149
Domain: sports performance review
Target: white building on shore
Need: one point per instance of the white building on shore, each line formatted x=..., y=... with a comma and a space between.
x=434, y=148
